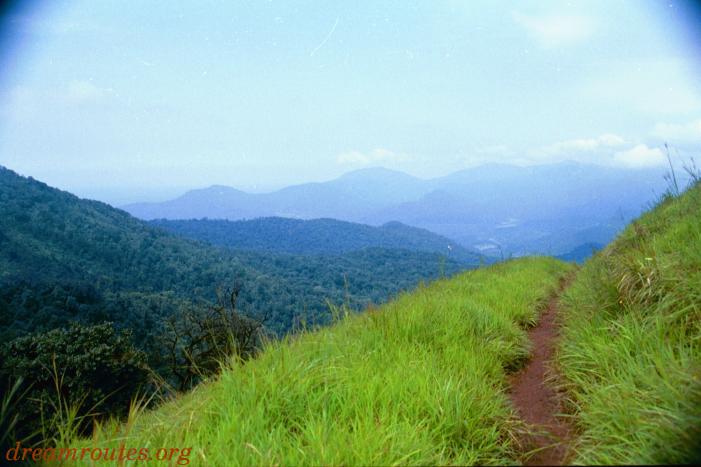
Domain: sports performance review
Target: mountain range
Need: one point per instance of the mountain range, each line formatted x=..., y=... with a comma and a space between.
x=64, y=259
x=496, y=209
x=314, y=237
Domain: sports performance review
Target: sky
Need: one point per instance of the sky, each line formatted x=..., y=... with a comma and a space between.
x=128, y=101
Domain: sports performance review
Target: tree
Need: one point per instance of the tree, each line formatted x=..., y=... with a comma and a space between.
x=198, y=341
x=93, y=369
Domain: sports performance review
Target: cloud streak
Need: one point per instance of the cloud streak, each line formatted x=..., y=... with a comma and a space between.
x=640, y=156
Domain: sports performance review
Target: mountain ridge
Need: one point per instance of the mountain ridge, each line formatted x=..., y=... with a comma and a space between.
x=470, y=206
x=314, y=236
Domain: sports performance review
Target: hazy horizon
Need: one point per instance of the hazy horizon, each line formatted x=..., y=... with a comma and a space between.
x=130, y=102
x=117, y=198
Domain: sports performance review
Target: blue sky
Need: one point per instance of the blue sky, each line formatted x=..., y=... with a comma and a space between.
x=132, y=100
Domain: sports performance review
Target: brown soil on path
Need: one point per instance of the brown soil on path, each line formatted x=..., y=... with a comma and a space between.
x=536, y=398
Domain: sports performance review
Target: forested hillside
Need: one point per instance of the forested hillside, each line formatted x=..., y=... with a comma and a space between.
x=318, y=236
x=64, y=259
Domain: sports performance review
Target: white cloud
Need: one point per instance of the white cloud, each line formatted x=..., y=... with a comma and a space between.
x=683, y=133
x=605, y=141
x=607, y=149
x=640, y=156
x=377, y=155
x=556, y=30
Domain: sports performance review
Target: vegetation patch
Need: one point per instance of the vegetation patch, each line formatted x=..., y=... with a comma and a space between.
x=421, y=380
x=631, y=347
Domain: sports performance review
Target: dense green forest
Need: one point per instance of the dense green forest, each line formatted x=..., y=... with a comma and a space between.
x=76, y=273
x=66, y=260
x=316, y=236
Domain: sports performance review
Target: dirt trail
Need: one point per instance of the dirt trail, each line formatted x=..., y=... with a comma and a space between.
x=537, y=400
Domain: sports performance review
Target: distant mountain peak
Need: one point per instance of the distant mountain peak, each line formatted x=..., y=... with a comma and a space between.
x=393, y=224
x=220, y=189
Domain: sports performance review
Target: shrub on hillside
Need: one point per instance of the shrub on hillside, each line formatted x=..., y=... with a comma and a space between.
x=94, y=369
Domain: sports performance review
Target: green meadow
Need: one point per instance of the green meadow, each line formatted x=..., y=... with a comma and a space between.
x=421, y=380
x=631, y=345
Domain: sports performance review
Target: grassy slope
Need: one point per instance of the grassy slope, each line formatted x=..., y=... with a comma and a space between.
x=631, y=348
x=420, y=380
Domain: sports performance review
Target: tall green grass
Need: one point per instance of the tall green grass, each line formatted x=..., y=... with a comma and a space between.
x=631, y=347
x=421, y=380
